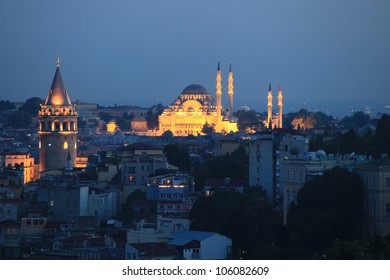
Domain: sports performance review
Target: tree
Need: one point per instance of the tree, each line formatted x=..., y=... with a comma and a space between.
x=357, y=120
x=382, y=135
x=104, y=116
x=178, y=155
x=248, y=219
x=377, y=248
x=349, y=142
x=127, y=214
x=152, y=116
x=329, y=207
x=208, y=129
x=233, y=166
x=167, y=135
x=19, y=119
x=123, y=124
x=247, y=120
x=6, y=105
x=322, y=119
x=32, y=106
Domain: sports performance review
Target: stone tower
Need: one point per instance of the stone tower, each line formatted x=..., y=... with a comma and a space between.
x=57, y=128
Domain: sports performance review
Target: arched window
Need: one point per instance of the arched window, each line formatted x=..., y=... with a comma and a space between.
x=65, y=126
x=72, y=126
x=57, y=126
x=49, y=126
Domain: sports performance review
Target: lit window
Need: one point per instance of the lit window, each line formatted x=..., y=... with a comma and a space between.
x=65, y=145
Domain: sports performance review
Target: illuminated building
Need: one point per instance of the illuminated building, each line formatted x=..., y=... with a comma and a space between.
x=277, y=120
x=57, y=127
x=139, y=124
x=26, y=163
x=195, y=107
x=111, y=126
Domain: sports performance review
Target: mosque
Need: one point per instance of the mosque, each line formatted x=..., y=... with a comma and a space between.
x=195, y=107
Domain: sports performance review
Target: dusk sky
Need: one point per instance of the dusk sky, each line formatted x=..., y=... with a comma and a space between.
x=329, y=55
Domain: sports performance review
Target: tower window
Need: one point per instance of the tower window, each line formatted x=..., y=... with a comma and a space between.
x=65, y=126
x=56, y=126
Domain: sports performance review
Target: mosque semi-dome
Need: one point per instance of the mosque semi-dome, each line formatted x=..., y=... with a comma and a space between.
x=195, y=89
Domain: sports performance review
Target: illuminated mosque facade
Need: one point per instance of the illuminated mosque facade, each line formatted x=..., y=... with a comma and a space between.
x=57, y=128
x=195, y=107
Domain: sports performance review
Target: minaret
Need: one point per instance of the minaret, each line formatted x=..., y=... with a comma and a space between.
x=280, y=105
x=57, y=127
x=269, y=106
x=219, y=93
x=230, y=91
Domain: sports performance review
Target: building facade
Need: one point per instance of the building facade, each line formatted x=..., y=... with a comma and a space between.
x=202, y=245
x=24, y=161
x=376, y=179
x=266, y=154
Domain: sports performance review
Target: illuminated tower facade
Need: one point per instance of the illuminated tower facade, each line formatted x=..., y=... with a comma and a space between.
x=269, y=107
x=230, y=91
x=218, y=93
x=280, y=105
x=57, y=128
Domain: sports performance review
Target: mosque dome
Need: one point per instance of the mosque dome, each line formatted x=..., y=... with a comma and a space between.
x=195, y=89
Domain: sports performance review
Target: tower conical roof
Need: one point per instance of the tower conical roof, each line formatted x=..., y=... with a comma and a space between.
x=57, y=93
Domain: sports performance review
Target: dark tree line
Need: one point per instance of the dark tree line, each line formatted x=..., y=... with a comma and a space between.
x=248, y=219
x=22, y=118
x=327, y=220
x=370, y=143
x=233, y=166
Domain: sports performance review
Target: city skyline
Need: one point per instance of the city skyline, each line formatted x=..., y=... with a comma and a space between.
x=328, y=56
